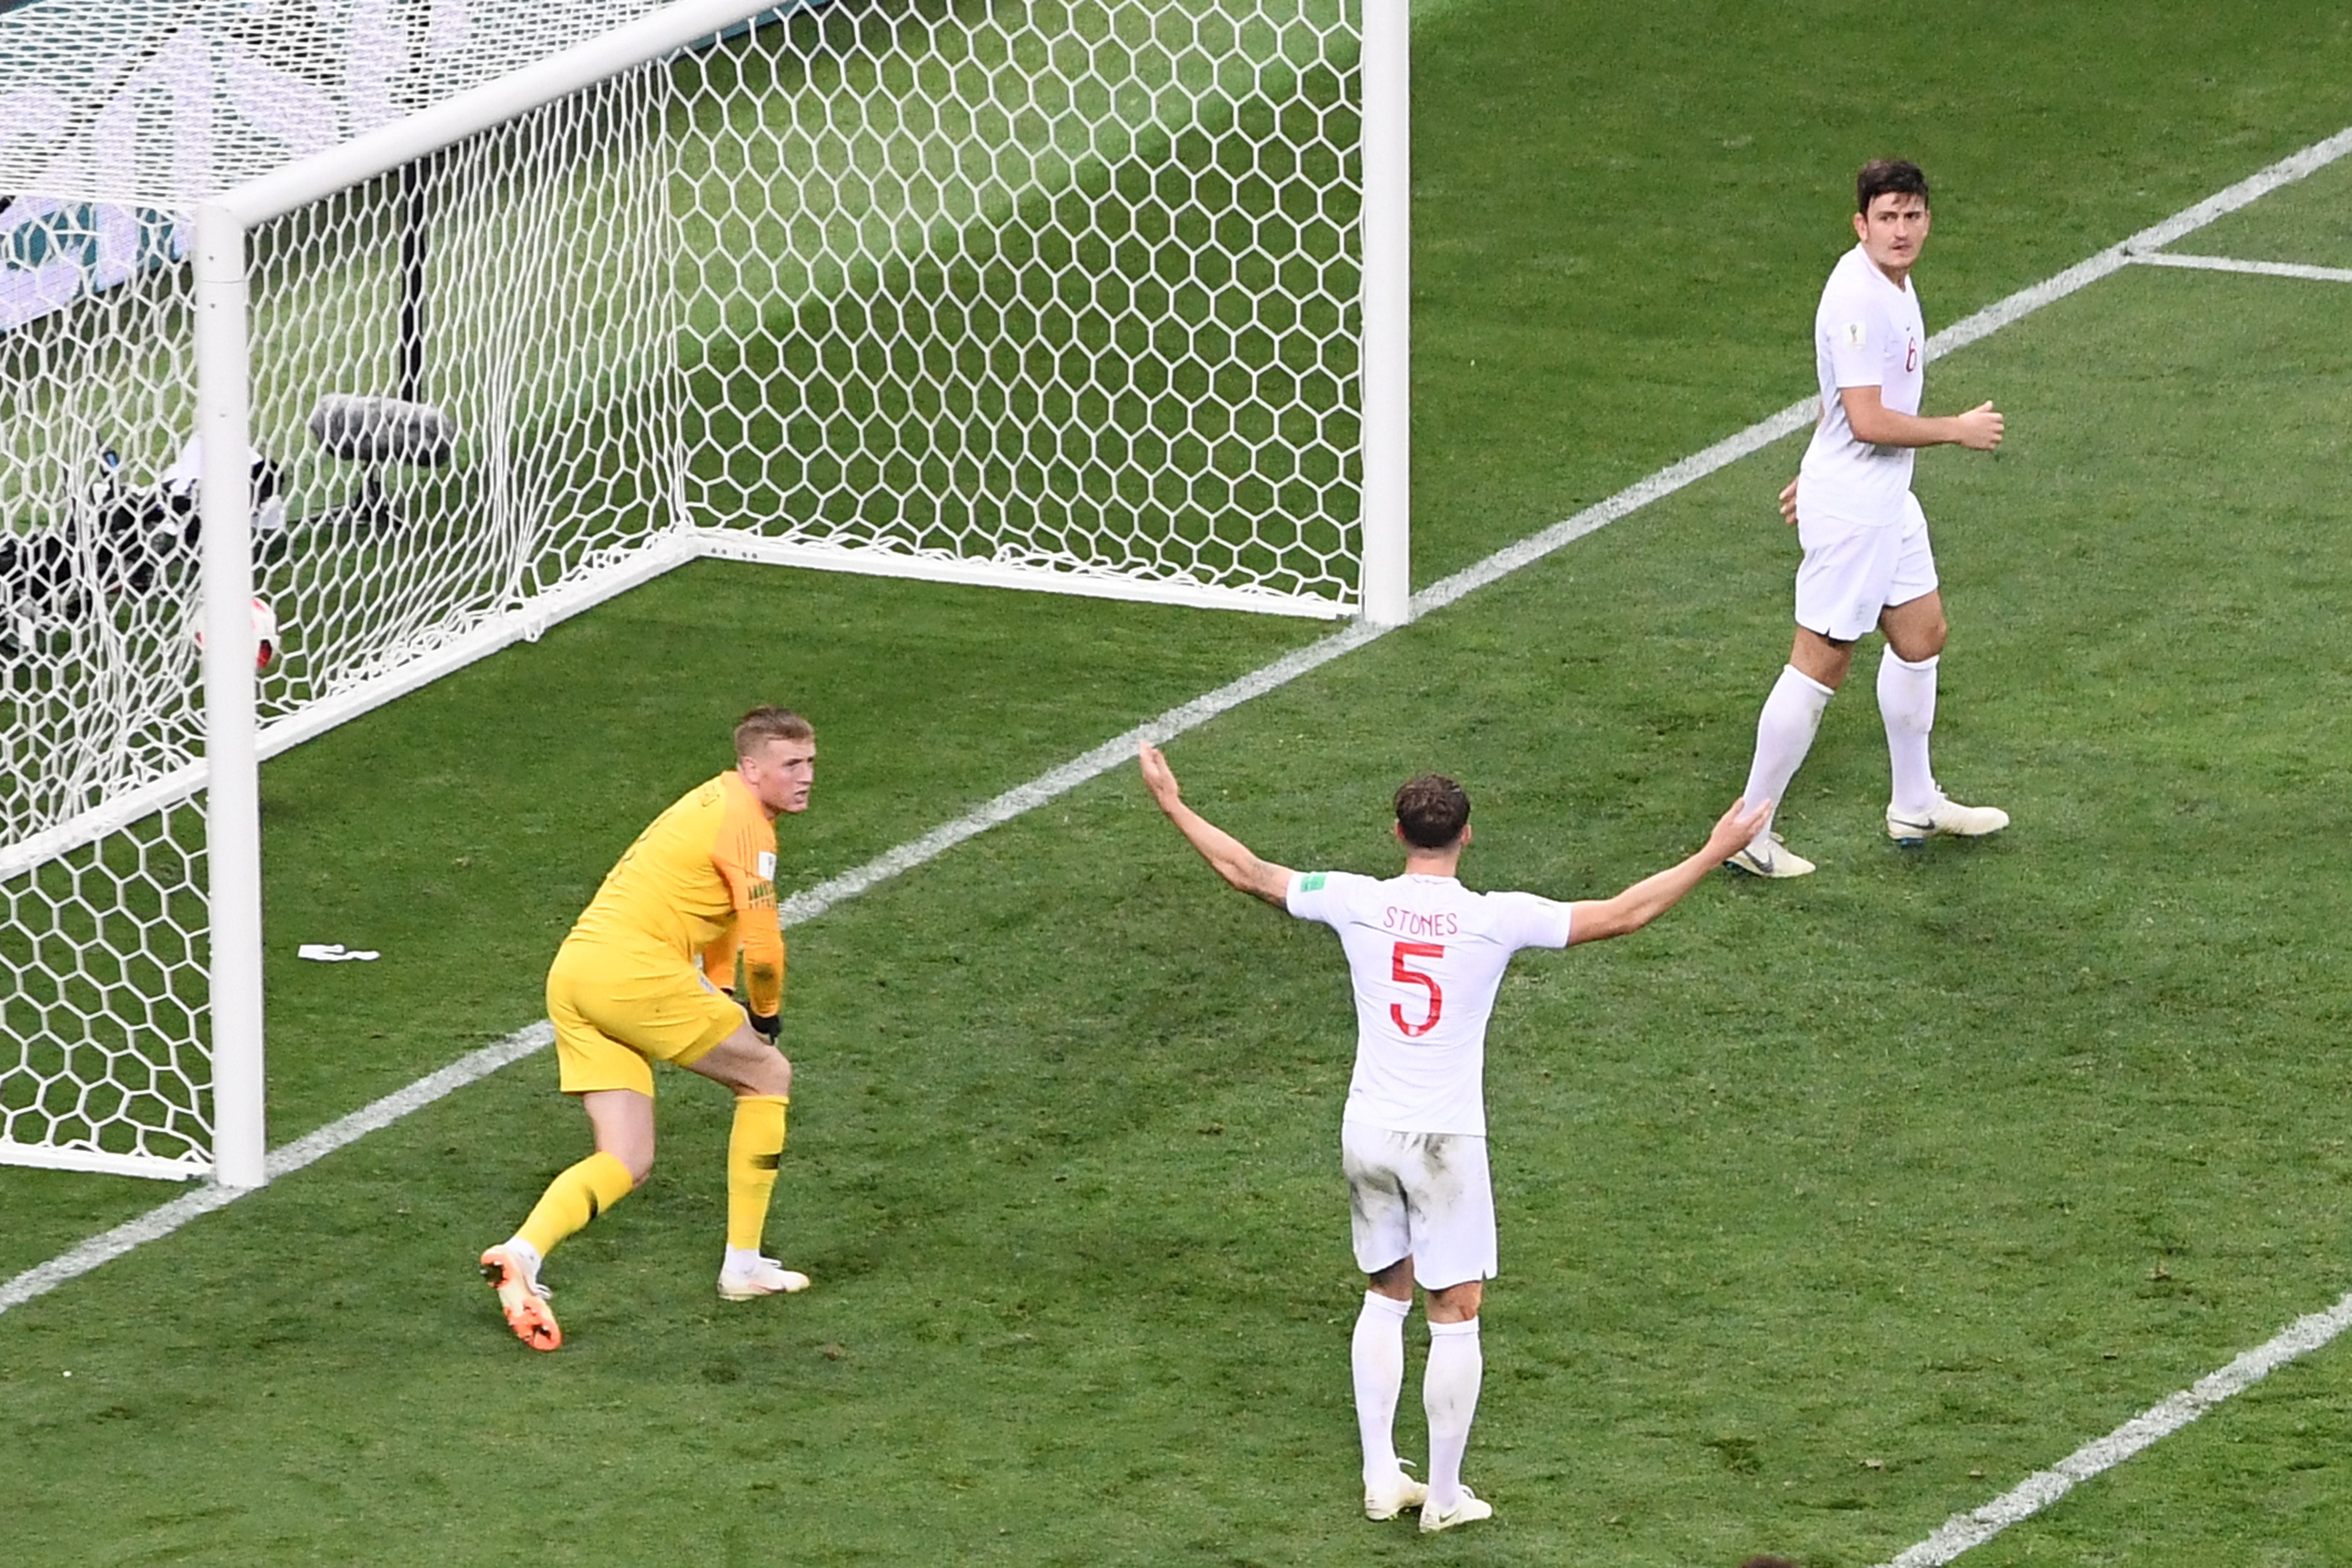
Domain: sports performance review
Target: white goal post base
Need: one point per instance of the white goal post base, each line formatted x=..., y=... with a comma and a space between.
x=584, y=593
x=97, y=1163
x=726, y=545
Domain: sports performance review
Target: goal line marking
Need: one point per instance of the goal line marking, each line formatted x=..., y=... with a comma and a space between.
x=1959, y=1533
x=282, y=1161
x=2236, y=264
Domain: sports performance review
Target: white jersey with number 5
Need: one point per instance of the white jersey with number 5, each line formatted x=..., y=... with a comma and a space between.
x=1426, y=956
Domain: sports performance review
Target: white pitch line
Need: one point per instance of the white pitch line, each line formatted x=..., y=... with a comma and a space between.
x=2004, y=312
x=2237, y=264
x=285, y=1159
x=809, y=904
x=2037, y=1491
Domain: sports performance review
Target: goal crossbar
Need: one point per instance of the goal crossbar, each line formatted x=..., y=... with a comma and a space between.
x=379, y=151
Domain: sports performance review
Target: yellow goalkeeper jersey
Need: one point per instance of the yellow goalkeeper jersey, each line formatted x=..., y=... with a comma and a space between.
x=700, y=883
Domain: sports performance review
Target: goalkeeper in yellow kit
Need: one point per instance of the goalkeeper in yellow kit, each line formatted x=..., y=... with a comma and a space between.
x=646, y=976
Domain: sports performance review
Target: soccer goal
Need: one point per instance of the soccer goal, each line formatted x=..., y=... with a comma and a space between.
x=346, y=342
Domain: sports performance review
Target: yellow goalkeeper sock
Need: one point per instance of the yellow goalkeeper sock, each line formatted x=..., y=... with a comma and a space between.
x=752, y=1150
x=574, y=1198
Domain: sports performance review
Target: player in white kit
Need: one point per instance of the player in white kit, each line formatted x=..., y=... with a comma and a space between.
x=1868, y=561
x=1426, y=956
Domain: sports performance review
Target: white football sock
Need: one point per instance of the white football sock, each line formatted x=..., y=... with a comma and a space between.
x=1906, y=700
x=740, y=1260
x=525, y=1254
x=1784, y=734
x=1449, y=1394
x=1379, y=1357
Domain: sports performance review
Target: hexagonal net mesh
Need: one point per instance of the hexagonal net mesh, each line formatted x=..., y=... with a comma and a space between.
x=538, y=324
x=1065, y=286
x=1058, y=294
x=101, y=996
x=102, y=909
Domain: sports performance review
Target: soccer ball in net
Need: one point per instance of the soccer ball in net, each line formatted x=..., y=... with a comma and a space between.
x=265, y=636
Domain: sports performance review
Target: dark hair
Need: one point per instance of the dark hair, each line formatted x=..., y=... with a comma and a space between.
x=1887, y=176
x=1767, y=1563
x=1432, y=810
x=764, y=724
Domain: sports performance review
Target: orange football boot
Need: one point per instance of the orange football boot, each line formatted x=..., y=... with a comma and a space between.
x=522, y=1297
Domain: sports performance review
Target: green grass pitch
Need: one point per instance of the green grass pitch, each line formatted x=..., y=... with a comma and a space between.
x=1828, y=1210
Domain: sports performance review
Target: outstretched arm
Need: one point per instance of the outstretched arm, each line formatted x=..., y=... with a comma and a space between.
x=1596, y=920
x=1227, y=854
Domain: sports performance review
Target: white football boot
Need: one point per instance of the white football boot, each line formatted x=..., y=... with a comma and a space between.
x=1946, y=819
x=1768, y=857
x=759, y=1277
x=1387, y=1499
x=1469, y=1508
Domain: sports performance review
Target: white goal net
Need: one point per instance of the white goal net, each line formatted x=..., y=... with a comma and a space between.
x=1060, y=295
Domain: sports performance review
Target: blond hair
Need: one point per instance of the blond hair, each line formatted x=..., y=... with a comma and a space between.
x=764, y=724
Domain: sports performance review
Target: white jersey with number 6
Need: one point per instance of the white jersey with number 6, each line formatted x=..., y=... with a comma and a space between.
x=1426, y=956
x=1867, y=331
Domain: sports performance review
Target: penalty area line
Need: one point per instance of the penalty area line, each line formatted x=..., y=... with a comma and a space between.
x=2233, y=263
x=2159, y=1421
x=812, y=902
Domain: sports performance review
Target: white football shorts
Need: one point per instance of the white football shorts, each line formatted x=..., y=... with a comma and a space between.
x=1426, y=1196
x=1852, y=572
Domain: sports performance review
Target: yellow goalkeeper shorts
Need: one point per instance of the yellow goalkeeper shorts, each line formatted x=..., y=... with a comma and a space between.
x=618, y=1011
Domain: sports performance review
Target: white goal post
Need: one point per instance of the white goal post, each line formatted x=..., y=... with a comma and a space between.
x=428, y=324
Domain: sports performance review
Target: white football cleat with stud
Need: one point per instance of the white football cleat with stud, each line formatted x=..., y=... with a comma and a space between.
x=1768, y=857
x=1946, y=819
x=760, y=1277
x=1388, y=1499
x=1469, y=1508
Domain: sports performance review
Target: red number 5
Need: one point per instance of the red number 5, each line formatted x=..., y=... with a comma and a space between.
x=1405, y=950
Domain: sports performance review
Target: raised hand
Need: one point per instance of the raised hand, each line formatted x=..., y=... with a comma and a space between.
x=1158, y=776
